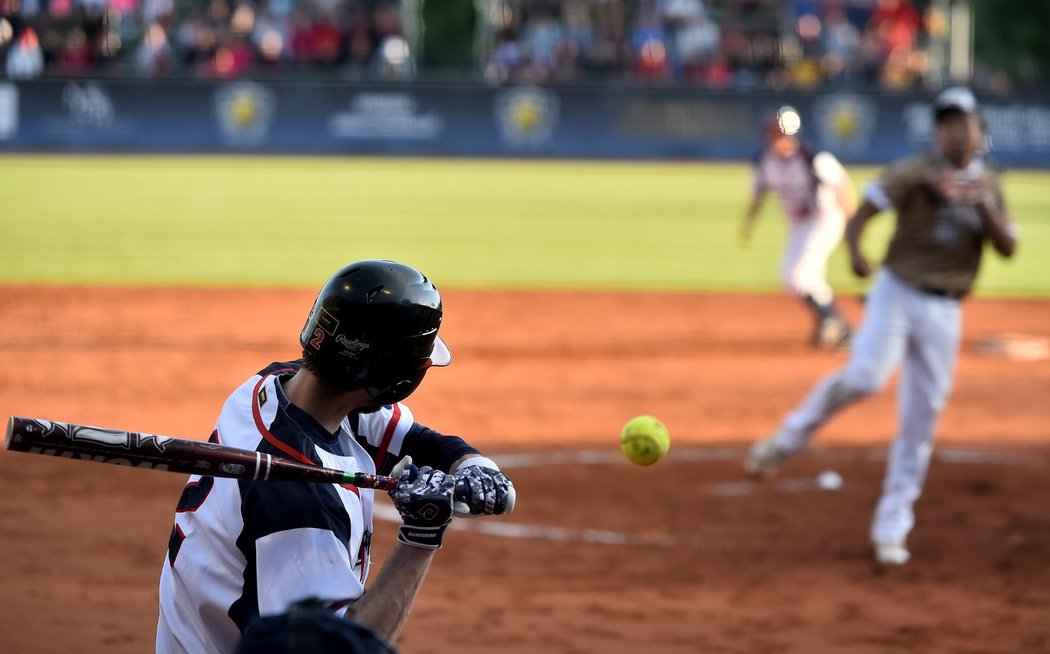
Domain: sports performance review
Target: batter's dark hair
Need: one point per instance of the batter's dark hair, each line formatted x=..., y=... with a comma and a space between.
x=332, y=379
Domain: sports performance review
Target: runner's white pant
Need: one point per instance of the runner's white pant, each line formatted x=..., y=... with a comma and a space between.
x=901, y=325
x=804, y=266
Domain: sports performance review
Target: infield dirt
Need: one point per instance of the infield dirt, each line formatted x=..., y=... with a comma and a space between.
x=712, y=562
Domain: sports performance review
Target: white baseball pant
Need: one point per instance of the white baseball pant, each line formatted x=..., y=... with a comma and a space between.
x=902, y=325
x=803, y=268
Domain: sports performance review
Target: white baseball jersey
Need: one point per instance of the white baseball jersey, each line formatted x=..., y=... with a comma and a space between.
x=242, y=548
x=808, y=188
x=807, y=185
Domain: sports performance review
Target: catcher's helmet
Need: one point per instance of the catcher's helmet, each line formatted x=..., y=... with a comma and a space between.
x=374, y=326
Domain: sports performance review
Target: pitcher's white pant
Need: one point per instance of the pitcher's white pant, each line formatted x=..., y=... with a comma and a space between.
x=901, y=323
x=805, y=262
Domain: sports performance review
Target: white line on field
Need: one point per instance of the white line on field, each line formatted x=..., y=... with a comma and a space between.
x=598, y=457
x=504, y=529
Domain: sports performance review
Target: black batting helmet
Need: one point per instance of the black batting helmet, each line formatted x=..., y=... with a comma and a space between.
x=374, y=326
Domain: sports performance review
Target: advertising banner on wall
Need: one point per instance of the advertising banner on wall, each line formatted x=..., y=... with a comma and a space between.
x=481, y=120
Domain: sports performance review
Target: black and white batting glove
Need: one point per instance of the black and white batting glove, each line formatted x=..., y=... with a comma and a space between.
x=491, y=492
x=423, y=497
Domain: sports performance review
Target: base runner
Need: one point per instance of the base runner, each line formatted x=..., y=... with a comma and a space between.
x=817, y=196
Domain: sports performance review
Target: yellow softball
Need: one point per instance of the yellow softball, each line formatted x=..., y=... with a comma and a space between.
x=644, y=440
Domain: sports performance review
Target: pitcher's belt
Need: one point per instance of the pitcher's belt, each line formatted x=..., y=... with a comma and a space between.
x=941, y=292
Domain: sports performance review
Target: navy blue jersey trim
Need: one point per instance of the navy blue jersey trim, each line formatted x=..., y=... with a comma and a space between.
x=292, y=366
x=272, y=507
x=309, y=432
x=427, y=448
x=175, y=542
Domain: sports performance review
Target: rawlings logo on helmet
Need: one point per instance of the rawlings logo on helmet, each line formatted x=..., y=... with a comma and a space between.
x=352, y=347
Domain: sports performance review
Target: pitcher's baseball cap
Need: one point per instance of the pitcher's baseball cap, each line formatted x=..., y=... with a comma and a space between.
x=955, y=99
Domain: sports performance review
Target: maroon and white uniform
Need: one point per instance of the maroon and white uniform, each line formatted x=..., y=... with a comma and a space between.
x=808, y=186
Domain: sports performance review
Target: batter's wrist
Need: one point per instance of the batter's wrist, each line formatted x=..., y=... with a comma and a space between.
x=423, y=537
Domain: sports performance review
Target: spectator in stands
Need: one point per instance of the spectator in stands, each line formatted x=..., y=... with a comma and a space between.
x=841, y=45
x=25, y=58
x=153, y=57
x=391, y=57
x=543, y=35
x=696, y=42
x=298, y=34
x=650, y=60
x=744, y=43
x=361, y=39
x=326, y=41
x=77, y=55
x=268, y=40
x=508, y=57
x=187, y=37
x=895, y=24
x=233, y=57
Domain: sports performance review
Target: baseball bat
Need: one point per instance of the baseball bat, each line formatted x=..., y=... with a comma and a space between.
x=153, y=452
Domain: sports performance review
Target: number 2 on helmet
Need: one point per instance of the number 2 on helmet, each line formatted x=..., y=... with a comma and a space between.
x=318, y=337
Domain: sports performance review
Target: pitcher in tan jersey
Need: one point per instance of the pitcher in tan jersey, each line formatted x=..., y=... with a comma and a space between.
x=948, y=204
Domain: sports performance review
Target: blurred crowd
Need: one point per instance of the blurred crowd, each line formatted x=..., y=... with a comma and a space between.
x=713, y=43
x=716, y=43
x=201, y=38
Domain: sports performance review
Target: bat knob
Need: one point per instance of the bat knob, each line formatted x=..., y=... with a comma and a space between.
x=462, y=492
x=512, y=497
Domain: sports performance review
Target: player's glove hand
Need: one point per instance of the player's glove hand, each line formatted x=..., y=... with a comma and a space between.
x=491, y=492
x=945, y=186
x=952, y=189
x=423, y=497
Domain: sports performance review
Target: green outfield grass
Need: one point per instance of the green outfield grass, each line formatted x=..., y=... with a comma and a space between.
x=280, y=221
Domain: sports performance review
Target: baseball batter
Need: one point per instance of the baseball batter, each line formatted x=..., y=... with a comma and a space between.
x=817, y=195
x=948, y=204
x=243, y=549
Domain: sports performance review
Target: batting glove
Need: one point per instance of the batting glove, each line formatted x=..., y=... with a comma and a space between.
x=491, y=492
x=423, y=497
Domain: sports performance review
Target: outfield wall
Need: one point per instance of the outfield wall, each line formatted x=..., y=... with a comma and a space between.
x=478, y=120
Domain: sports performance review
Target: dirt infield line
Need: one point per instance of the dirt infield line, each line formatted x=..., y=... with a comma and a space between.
x=517, y=530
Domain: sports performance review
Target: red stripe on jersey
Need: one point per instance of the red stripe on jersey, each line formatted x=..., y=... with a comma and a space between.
x=341, y=604
x=265, y=433
x=388, y=434
x=273, y=440
x=352, y=488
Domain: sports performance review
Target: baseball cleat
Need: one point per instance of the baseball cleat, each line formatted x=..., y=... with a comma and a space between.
x=832, y=333
x=764, y=459
x=891, y=553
